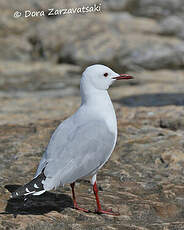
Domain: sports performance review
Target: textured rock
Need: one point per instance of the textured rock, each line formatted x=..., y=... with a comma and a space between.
x=172, y=25
x=151, y=53
x=159, y=8
x=120, y=5
x=109, y=33
x=122, y=41
x=38, y=76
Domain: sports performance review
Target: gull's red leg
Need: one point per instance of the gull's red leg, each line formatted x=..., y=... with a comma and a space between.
x=74, y=199
x=99, y=208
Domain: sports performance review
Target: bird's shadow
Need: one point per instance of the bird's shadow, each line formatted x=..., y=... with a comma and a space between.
x=36, y=205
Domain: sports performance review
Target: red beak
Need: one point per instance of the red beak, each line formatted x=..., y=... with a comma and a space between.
x=123, y=76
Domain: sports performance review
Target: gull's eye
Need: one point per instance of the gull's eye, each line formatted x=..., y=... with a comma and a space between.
x=105, y=74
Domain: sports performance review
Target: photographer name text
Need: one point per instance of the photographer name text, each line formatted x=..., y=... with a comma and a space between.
x=58, y=12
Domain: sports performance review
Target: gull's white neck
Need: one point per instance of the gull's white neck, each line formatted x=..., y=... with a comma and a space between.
x=99, y=101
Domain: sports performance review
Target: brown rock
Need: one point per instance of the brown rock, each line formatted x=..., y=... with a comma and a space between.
x=167, y=211
x=158, y=8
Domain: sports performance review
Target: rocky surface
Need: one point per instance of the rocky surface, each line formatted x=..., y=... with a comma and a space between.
x=41, y=60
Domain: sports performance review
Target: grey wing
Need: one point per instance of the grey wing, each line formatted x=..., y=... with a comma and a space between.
x=82, y=151
x=58, y=139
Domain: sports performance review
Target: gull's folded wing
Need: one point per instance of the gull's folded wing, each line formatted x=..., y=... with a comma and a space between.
x=76, y=151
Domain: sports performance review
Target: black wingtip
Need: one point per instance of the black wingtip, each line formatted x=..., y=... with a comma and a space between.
x=15, y=195
x=30, y=188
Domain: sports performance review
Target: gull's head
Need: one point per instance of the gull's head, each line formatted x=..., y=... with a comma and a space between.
x=101, y=77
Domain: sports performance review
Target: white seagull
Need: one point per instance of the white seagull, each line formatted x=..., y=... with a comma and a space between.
x=82, y=143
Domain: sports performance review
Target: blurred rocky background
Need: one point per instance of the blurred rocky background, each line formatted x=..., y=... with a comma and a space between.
x=41, y=60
